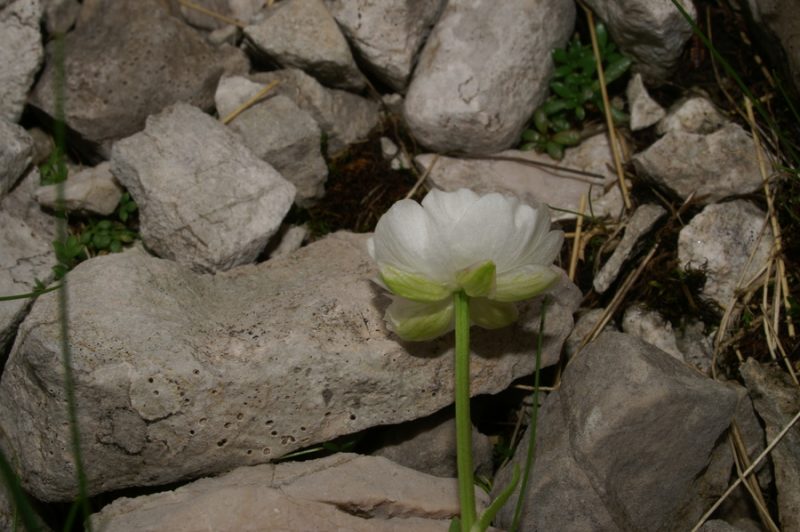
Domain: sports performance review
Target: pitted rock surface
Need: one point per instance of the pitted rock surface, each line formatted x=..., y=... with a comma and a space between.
x=483, y=71
x=179, y=375
x=205, y=200
x=128, y=60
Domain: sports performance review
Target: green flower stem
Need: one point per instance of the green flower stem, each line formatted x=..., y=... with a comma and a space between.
x=466, y=490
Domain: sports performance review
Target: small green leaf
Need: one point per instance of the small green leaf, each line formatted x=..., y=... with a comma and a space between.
x=553, y=106
x=580, y=113
x=101, y=241
x=116, y=246
x=528, y=146
x=568, y=137
x=562, y=89
x=616, y=69
x=602, y=36
x=556, y=151
x=530, y=135
x=560, y=124
x=560, y=55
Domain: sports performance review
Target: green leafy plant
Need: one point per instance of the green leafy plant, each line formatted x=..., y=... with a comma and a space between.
x=576, y=95
x=126, y=207
x=53, y=170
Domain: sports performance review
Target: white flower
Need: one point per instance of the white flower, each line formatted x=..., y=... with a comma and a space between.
x=493, y=247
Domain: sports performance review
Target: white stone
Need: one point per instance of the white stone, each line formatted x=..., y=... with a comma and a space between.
x=645, y=111
x=180, y=375
x=388, y=34
x=651, y=327
x=205, y=200
x=713, y=166
x=696, y=114
x=91, y=189
x=344, y=492
x=291, y=239
x=304, y=35
x=483, y=71
x=720, y=241
x=651, y=32
x=16, y=151
x=21, y=54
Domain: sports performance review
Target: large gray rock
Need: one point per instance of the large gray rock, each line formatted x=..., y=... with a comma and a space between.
x=343, y=492
x=483, y=71
x=128, y=60
x=651, y=32
x=720, y=241
x=304, y=35
x=16, y=150
x=779, y=33
x=21, y=54
x=520, y=173
x=630, y=453
x=90, y=189
x=387, y=35
x=26, y=252
x=205, y=200
x=713, y=166
x=343, y=117
x=279, y=132
x=179, y=375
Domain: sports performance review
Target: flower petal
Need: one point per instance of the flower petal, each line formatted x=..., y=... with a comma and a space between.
x=524, y=282
x=484, y=232
x=477, y=281
x=491, y=314
x=446, y=208
x=412, y=286
x=415, y=321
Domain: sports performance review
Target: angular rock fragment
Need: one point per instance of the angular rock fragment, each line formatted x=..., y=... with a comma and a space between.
x=720, y=241
x=696, y=114
x=304, y=35
x=92, y=189
x=121, y=69
x=180, y=375
x=16, y=150
x=483, y=71
x=21, y=54
x=651, y=327
x=205, y=200
x=644, y=110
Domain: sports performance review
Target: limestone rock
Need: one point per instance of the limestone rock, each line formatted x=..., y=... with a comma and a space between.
x=122, y=70
x=244, y=11
x=16, y=150
x=304, y=35
x=290, y=238
x=719, y=241
x=650, y=326
x=92, y=189
x=483, y=71
x=21, y=54
x=387, y=35
x=584, y=324
x=340, y=492
x=714, y=166
x=660, y=21
x=643, y=109
x=180, y=374
x=283, y=135
x=696, y=114
x=205, y=200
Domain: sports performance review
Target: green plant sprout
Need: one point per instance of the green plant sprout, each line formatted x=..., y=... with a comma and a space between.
x=576, y=95
x=454, y=261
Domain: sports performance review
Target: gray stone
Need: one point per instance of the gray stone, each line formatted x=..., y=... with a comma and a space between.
x=224, y=35
x=60, y=15
x=520, y=173
x=651, y=32
x=43, y=145
x=696, y=114
x=91, y=189
x=429, y=445
x=697, y=346
x=719, y=241
x=584, y=325
x=640, y=223
x=205, y=200
x=180, y=375
x=777, y=18
x=483, y=71
x=777, y=400
x=121, y=70
x=387, y=35
x=16, y=150
x=304, y=35
x=650, y=326
x=343, y=117
x=291, y=239
x=713, y=166
x=21, y=54
x=26, y=253
x=340, y=492
x=391, y=152
x=245, y=11
x=283, y=135
x=643, y=109
x=718, y=525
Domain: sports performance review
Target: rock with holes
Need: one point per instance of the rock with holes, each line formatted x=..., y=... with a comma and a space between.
x=205, y=200
x=304, y=35
x=16, y=151
x=90, y=189
x=387, y=35
x=340, y=492
x=21, y=54
x=631, y=454
x=180, y=374
x=713, y=167
x=651, y=32
x=483, y=71
x=128, y=60
x=720, y=241
x=282, y=134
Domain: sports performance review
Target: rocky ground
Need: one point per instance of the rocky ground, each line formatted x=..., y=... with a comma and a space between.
x=230, y=362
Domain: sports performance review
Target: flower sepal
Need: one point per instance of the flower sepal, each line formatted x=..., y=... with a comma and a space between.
x=413, y=286
x=478, y=280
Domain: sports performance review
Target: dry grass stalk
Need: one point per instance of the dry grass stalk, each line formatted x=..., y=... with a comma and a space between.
x=421, y=179
x=213, y=14
x=742, y=461
x=576, y=246
x=249, y=103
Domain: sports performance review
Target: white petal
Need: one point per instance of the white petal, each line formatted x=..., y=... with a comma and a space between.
x=446, y=208
x=415, y=321
x=492, y=314
x=484, y=232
